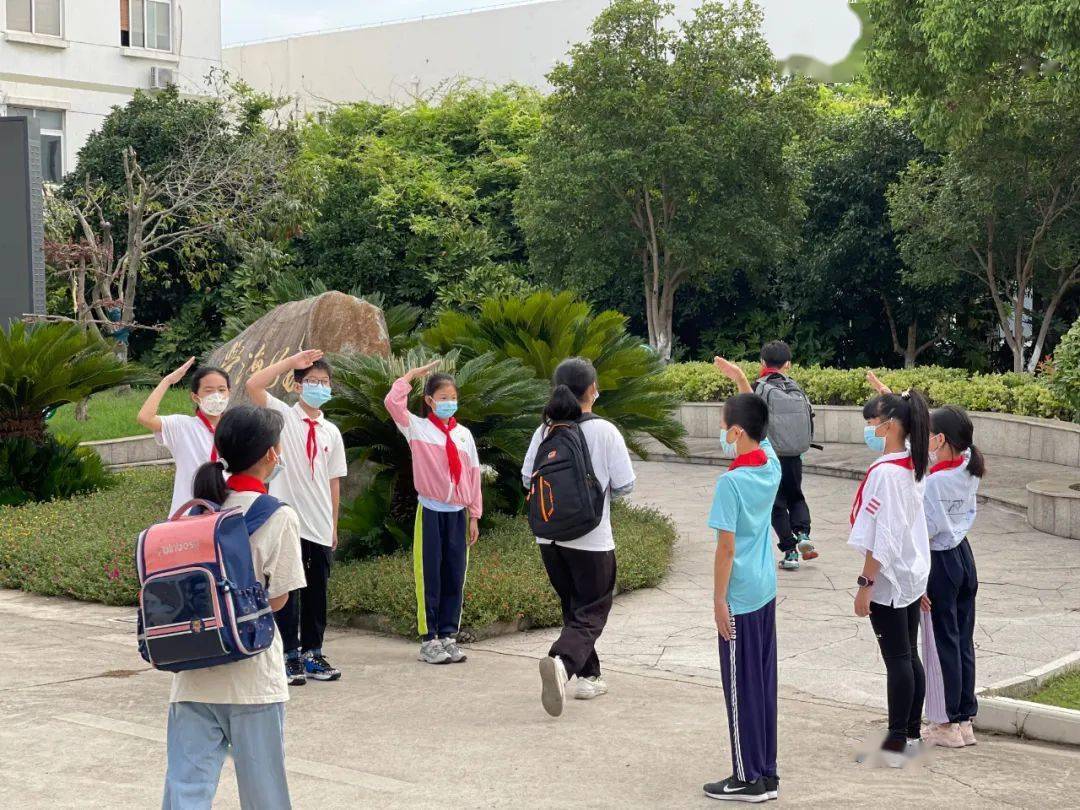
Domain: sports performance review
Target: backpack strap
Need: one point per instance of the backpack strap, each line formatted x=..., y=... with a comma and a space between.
x=261, y=511
x=587, y=417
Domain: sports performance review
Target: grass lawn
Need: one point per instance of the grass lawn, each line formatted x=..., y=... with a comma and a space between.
x=1063, y=691
x=112, y=414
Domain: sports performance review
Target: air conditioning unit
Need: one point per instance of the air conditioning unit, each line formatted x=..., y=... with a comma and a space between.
x=161, y=77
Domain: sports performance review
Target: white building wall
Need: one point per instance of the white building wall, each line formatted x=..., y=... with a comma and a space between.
x=86, y=72
x=520, y=43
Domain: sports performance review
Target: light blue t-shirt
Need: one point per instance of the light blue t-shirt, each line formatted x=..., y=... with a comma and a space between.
x=743, y=505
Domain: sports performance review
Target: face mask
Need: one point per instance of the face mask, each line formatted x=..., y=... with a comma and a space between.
x=315, y=394
x=446, y=408
x=933, y=455
x=726, y=447
x=214, y=404
x=596, y=396
x=274, y=473
x=873, y=441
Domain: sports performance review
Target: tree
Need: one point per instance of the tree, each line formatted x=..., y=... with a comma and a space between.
x=663, y=156
x=991, y=84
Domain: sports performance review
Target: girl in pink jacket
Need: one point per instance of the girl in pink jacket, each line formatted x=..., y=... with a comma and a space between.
x=446, y=473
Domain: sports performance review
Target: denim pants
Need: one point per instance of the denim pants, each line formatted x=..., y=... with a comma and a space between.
x=199, y=736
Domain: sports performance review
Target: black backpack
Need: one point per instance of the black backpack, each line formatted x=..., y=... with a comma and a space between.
x=565, y=499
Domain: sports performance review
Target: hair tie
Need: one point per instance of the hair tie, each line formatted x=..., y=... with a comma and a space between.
x=906, y=394
x=222, y=465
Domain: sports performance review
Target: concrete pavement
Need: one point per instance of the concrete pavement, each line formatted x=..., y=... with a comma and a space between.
x=82, y=718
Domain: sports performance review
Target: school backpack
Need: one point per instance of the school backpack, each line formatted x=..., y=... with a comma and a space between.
x=791, y=417
x=200, y=602
x=565, y=499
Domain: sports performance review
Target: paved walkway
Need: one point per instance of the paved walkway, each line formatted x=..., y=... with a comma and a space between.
x=82, y=718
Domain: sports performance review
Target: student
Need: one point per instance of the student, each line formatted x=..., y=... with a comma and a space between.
x=952, y=484
x=446, y=473
x=888, y=528
x=239, y=706
x=744, y=594
x=790, y=431
x=581, y=571
x=190, y=439
x=311, y=483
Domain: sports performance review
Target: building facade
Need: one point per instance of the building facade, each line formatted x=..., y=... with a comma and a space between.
x=67, y=63
x=519, y=42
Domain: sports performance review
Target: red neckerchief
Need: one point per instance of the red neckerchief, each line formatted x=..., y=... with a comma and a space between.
x=451, y=449
x=947, y=465
x=312, y=444
x=755, y=458
x=242, y=482
x=767, y=370
x=904, y=462
x=210, y=427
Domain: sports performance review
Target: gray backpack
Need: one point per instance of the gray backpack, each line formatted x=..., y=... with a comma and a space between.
x=791, y=417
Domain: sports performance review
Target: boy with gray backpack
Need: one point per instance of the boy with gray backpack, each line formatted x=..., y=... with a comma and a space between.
x=791, y=431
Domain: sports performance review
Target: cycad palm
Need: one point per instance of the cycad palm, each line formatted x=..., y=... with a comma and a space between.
x=498, y=399
x=543, y=329
x=48, y=365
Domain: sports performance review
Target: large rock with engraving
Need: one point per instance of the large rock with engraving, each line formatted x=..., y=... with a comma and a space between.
x=333, y=322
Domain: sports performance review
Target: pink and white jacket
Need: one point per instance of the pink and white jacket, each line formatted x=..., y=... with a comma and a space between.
x=431, y=471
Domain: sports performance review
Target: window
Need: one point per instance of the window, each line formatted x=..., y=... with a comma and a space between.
x=52, y=140
x=34, y=16
x=146, y=24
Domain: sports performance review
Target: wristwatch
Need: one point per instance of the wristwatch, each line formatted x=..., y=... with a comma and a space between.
x=864, y=582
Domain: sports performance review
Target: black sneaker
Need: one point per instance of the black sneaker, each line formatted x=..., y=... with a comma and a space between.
x=772, y=786
x=319, y=668
x=294, y=669
x=735, y=790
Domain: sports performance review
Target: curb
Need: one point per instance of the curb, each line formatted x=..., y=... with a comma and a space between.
x=1003, y=710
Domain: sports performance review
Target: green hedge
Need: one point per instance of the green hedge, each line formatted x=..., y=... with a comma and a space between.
x=1020, y=394
x=83, y=548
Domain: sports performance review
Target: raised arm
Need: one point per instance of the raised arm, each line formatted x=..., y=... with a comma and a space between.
x=258, y=382
x=397, y=399
x=148, y=413
x=733, y=373
x=877, y=384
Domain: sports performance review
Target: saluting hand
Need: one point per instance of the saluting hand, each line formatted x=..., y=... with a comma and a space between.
x=877, y=384
x=172, y=378
x=422, y=371
x=305, y=359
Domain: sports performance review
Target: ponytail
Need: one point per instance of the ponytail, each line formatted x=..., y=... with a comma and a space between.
x=955, y=425
x=209, y=483
x=913, y=414
x=563, y=406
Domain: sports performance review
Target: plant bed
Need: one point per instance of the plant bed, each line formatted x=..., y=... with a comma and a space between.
x=112, y=414
x=84, y=548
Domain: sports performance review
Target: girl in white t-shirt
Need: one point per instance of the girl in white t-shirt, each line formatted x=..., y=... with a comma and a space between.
x=888, y=528
x=240, y=705
x=581, y=571
x=190, y=439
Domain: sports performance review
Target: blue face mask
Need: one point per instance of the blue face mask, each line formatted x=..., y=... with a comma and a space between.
x=315, y=394
x=279, y=468
x=446, y=408
x=728, y=448
x=873, y=441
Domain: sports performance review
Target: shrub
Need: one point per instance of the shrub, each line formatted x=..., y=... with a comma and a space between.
x=55, y=467
x=1065, y=378
x=1020, y=394
x=84, y=548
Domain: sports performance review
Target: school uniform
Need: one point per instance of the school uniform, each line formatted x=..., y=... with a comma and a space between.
x=950, y=504
x=583, y=571
x=742, y=505
x=190, y=441
x=446, y=473
x=314, y=455
x=889, y=521
x=239, y=706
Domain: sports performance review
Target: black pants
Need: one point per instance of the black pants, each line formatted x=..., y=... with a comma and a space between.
x=302, y=621
x=952, y=587
x=585, y=583
x=897, y=632
x=440, y=562
x=790, y=514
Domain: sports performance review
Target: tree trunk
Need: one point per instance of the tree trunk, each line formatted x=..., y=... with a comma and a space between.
x=31, y=427
x=82, y=409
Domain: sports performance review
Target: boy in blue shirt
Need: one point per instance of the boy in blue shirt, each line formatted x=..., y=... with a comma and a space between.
x=744, y=596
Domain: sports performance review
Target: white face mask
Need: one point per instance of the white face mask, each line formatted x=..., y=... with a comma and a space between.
x=214, y=404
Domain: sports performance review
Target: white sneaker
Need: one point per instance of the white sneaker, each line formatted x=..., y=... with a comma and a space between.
x=432, y=652
x=967, y=732
x=453, y=650
x=553, y=684
x=589, y=688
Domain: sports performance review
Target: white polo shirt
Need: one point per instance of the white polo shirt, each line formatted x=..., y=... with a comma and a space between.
x=190, y=443
x=304, y=486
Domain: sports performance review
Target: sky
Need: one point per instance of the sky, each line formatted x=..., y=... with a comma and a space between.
x=247, y=20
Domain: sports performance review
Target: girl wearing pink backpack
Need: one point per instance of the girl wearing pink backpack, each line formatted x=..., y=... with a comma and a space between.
x=239, y=705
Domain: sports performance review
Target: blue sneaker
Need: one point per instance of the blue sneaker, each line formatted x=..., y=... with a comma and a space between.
x=319, y=669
